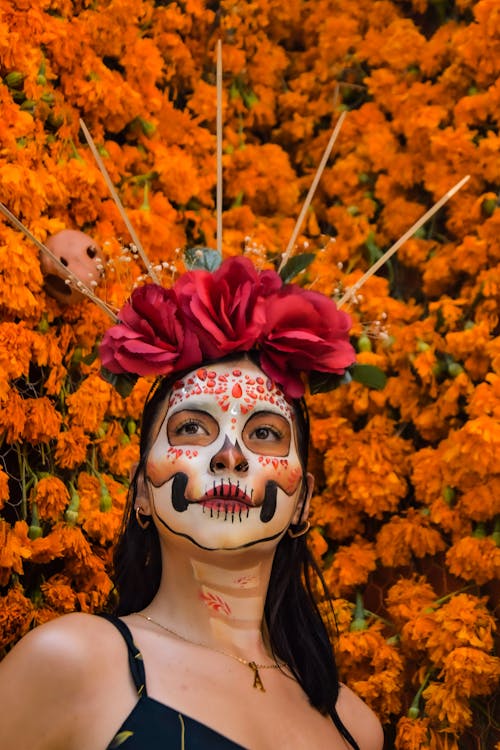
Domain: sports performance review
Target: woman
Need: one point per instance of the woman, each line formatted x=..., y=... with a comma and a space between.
x=225, y=646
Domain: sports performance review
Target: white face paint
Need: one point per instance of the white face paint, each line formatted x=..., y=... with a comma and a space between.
x=224, y=468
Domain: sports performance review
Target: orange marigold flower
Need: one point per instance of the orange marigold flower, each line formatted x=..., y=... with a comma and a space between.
x=103, y=527
x=428, y=474
x=317, y=544
x=412, y=734
x=482, y=501
x=341, y=525
x=14, y=548
x=351, y=566
x=372, y=667
x=12, y=417
x=486, y=398
x=46, y=548
x=416, y=632
x=124, y=456
x=344, y=612
x=446, y=706
x=474, y=559
x=74, y=546
x=473, y=449
x=42, y=420
x=54, y=382
x=88, y=405
x=408, y=597
x=469, y=346
x=71, y=448
x=401, y=538
x=101, y=506
x=4, y=488
x=51, y=497
x=131, y=406
x=471, y=672
x=462, y=621
x=449, y=518
x=16, y=615
x=16, y=343
x=367, y=469
x=46, y=351
x=58, y=593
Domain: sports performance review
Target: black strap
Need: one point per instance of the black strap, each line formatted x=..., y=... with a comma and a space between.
x=135, y=659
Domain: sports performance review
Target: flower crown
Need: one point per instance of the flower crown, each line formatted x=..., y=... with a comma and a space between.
x=299, y=334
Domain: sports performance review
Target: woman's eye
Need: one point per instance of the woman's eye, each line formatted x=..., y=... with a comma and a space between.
x=190, y=428
x=266, y=433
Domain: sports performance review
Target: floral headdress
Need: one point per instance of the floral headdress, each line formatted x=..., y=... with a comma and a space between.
x=205, y=316
x=299, y=334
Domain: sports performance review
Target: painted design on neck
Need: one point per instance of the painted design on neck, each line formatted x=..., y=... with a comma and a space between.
x=247, y=578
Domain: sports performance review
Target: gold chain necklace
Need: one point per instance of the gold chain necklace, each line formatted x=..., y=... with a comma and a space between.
x=257, y=682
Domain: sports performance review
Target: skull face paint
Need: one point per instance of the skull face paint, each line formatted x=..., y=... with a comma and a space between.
x=224, y=468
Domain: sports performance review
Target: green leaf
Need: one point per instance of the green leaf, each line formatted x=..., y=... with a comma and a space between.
x=202, y=258
x=322, y=382
x=90, y=358
x=369, y=375
x=295, y=265
x=373, y=248
x=120, y=738
x=121, y=383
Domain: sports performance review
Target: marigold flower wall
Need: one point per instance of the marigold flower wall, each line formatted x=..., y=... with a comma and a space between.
x=406, y=513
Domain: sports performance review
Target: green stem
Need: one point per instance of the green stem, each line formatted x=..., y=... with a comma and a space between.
x=21, y=457
x=414, y=710
x=443, y=599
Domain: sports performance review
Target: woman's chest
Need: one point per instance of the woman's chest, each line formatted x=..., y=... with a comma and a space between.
x=220, y=694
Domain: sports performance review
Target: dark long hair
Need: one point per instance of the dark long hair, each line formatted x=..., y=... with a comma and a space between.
x=298, y=635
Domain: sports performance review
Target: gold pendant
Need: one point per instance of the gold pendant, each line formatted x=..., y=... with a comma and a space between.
x=257, y=682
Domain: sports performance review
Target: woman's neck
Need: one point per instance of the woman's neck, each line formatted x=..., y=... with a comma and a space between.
x=215, y=599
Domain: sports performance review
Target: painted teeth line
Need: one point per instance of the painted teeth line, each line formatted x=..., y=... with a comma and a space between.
x=226, y=510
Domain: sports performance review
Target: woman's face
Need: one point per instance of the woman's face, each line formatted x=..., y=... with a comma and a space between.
x=224, y=470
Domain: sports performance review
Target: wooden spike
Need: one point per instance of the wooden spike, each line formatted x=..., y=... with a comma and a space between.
x=312, y=190
x=80, y=286
x=118, y=203
x=219, y=148
x=411, y=231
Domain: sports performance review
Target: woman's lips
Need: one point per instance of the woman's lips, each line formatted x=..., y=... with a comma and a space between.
x=226, y=497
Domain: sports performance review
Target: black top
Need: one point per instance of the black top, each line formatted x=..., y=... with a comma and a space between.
x=152, y=725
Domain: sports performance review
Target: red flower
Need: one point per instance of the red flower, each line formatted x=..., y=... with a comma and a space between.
x=151, y=338
x=303, y=332
x=225, y=308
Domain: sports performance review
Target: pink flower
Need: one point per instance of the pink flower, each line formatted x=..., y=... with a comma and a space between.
x=225, y=308
x=151, y=338
x=303, y=332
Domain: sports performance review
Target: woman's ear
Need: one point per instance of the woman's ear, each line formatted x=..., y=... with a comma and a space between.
x=142, y=495
x=302, y=510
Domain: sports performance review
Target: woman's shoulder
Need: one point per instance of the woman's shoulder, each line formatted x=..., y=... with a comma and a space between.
x=54, y=662
x=360, y=720
x=65, y=641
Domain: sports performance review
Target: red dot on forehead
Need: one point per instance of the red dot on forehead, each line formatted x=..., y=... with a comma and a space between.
x=237, y=373
x=236, y=391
